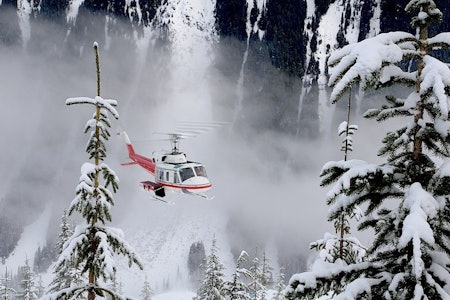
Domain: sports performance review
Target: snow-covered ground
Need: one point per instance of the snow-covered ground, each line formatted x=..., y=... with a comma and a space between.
x=174, y=295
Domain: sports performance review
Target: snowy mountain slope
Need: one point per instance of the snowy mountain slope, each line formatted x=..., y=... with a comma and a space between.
x=33, y=237
x=178, y=295
x=162, y=235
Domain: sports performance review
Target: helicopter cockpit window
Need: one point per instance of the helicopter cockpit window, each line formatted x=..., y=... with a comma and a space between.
x=200, y=171
x=186, y=173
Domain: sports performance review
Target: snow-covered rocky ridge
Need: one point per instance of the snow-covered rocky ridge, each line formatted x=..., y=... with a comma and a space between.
x=291, y=39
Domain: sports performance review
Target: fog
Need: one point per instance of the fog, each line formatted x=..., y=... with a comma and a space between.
x=265, y=181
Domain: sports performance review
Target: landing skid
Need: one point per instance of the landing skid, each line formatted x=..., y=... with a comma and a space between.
x=156, y=198
x=156, y=191
x=197, y=194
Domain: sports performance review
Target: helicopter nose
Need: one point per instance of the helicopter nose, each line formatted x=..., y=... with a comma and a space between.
x=198, y=184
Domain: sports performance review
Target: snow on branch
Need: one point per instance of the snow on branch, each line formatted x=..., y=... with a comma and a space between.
x=73, y=243
x=436, y=78
x=432, y=13
x=441, y=40
x=346, y=132
x=322, y=271
x=439, y=181
x=104, y=103
x=358, y=287
x=421, y=206
x=115, y=238
x=353, y=63
x=352, y=170
x=104, y=256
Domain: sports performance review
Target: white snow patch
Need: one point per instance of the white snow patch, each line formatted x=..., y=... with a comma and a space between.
x=24, y=11
x=436, y=77
x=175, y=295
x=72, y=11
x=422, y=206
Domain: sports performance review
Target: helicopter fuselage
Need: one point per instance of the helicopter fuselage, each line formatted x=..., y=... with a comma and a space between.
x=172, y=172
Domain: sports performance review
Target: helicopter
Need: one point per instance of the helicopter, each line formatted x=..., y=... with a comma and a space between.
x=171, y=170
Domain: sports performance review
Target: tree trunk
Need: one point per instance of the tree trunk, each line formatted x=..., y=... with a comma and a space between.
x=423, y=36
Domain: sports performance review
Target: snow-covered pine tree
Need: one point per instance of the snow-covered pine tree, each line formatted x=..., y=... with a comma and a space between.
x=93, y=245
x=236, y=288
x=66, y=231
x=340, y=247
x=280, y=285
x=257, y=289
x=114, y=285
x=146, y=292
x=266, y=272
x=27, y=284
x=40, y=288
x=6, y=291
x=213, y=281
x=66, y=274
x=406, y=198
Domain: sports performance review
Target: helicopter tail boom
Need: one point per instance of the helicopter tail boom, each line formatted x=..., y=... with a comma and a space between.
x=145, y=162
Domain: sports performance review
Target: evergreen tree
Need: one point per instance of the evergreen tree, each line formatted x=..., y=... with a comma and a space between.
x=236, y=289
x=280, y=285
x=40, y=287
x=115, y=286
x=213, y=282
x=341, y=248
x=6, y=292
x=266, y=272
x=146, y=292
x=66, y=273
x=261, y=276
x=257, y=289
x=29, y=291
x=92, y=246
x=406, y=198
x=65, y=233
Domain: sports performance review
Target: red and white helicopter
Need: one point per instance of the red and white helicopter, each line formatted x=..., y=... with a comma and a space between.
x=171, y=170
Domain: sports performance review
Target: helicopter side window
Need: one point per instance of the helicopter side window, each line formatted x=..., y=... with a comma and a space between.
x=160, y=174
x=176, y=177
x=186, y=173
x=200, y=171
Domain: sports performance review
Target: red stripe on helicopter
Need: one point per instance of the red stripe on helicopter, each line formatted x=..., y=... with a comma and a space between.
x=188, y=187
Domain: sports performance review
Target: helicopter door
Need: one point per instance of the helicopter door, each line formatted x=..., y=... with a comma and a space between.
x=172, y=177
x=176, y=177
x=168, y=176
x=159, y=175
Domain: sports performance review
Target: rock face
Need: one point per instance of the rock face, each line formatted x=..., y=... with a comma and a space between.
x=285, y=42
